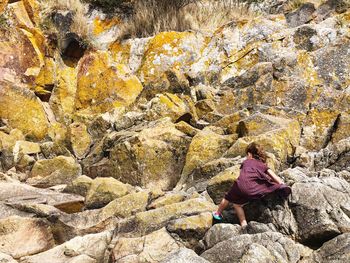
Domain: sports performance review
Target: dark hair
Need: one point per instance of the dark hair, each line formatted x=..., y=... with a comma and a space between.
x=257, y=151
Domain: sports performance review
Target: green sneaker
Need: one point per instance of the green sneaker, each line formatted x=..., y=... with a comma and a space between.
x=217, y=216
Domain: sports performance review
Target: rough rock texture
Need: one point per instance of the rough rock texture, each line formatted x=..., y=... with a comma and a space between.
x=153, y=247
x=184, y=255
x=104, y=190
x=117, y=149
x=59, y=170
x=90, y=247
x=24, y=236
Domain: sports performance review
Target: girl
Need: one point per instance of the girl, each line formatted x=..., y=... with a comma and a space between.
x=255, y=181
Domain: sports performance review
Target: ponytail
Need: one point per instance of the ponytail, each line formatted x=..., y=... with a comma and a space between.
x=257, y=151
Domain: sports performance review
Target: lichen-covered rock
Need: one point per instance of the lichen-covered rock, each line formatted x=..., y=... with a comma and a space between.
x=151, y=155
x=153, y=247
x=24, y=236
x=62, y=100
x=127, y=205
x=154, y=219
x=104, y=190
x=80, y=139
x=80, y=185
x=192, y=227
x=167, y=50
x=59, y=170
x=23, y=110
x=276, y=135
x=91, y=246
x=102, y=86
x=220, y=184
x=205, y=146
x=301, y=16
x=167, y=199
x=167, y=105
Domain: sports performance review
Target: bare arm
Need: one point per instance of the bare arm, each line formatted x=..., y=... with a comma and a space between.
x=274, y=176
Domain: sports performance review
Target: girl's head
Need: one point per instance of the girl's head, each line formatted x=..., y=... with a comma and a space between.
x=256, y=151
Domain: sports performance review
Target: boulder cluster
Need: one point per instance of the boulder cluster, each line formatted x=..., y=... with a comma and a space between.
x=118, y=151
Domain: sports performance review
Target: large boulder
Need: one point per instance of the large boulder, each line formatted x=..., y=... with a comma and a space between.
x=127, y=205
x=157, y=218
x=50, y=172
x=17, y=194
x=80, y=139
x=102, y=86
x=153, y=247
x=150, y=155
x=77, y=248
x=24, y=236
x=221, y=183
x=262, y=247
x=335, y=250
x=104, y=190
x=276, y=135
x=205, y=146
x=23, y=110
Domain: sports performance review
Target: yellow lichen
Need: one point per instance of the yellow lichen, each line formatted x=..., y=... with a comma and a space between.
x=102, y=25
x=102, y=85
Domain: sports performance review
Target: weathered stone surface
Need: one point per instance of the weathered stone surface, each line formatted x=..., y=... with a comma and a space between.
x=23, y=110
x=53, y=149
x=276, y=135
x=252, y=248
x=6, y=258
x=167, y=199
x=154, y=219
x=15, y=193
x=191, y=228
x=24, y=236
x=220, y=184
x=102, y=86
x=151, y=156
x=59, y=170
x=335, y=250
x=80, y=139
x=205, y=146
x=184, y=255
x=153, y=247
x=317, y=207
x=80, y=186
x=301, y=16
x=93, y=246
x=186, y=128
x=104, y=190
x=127, y=205
x=166, y=105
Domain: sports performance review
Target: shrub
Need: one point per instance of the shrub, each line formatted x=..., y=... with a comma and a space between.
x=153, y=16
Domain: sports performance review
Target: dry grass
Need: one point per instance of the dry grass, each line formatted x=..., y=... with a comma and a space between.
x=154, y=16
x=79, y=24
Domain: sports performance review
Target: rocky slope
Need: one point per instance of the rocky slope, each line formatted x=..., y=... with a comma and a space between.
x=119, y=151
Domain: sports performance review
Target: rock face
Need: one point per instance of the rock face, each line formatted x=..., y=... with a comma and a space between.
x=118, y=149
x=150, y=248
x=59, y=170
x=30, y=117
x=24, y=236
x=151, y=157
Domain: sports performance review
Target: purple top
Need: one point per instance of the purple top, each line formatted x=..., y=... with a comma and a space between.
x=254, y=183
